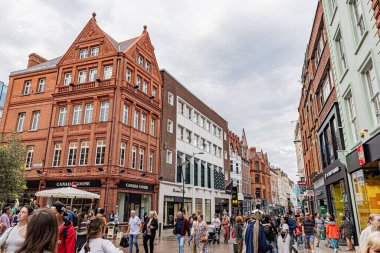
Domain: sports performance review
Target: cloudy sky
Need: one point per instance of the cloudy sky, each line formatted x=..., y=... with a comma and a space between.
x=243, y=58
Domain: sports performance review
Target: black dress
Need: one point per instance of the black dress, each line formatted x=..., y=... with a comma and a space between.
x=149, y=235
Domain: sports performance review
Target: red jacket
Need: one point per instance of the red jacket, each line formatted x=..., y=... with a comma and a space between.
x=332, y=230
x=66, y=238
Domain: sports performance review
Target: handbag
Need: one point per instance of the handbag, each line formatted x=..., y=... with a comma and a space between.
x=233, y=233
x=124, y=242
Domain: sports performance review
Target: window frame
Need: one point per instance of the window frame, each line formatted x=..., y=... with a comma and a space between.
x=35, y=120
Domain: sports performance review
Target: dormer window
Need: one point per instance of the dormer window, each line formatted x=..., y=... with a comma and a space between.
x=147, y=66
x=83, y=53
x=94, y=51
x=141, y=60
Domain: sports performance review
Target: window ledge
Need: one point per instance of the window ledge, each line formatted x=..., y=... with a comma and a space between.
x=343, y=75
x=375, y=129
x=24, y=95
x=33, y=130
x=40, y=92
x=361, y=42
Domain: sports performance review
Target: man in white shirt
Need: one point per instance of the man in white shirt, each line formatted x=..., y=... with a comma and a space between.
x=134, y=227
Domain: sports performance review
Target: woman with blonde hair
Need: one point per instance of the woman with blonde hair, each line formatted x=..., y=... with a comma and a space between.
x=41, y=234
x=372, y=243
x=373, y=226
x=254, y=236
x=226, y=228
x=149, y=231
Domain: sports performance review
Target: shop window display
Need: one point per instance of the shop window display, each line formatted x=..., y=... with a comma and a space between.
x=172, y=205
x=367, y=193
x=339, y=199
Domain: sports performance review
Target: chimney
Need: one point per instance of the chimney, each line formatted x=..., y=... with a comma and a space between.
x=35, y=59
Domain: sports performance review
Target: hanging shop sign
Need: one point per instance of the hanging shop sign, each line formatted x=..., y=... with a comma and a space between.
x=78, y=183
x=301, y=182
x=235, y=200
x=136, y=186
x=361, y=154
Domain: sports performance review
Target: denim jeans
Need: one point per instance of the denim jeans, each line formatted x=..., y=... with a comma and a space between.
x=133, y=240
x=334, y=243
x=299, y=240
x=181, y=242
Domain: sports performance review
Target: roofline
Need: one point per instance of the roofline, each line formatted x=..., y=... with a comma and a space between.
x=164, y=70
x=14, y=73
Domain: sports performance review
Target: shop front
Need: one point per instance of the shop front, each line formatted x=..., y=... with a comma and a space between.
x=363, y=168
x=79, y=204
x=320, y=200
x=134, y=196
x=337, y=191
x=221, y=205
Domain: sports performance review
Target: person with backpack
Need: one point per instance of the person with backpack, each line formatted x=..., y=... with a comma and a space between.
x=67, y=234
x=292, y=226
x=270, y=232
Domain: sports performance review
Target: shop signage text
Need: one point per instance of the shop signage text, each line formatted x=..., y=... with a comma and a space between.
x=361, y=155
x=332, y=172
x=301, y=182
x=136, y=186
x=79, y=183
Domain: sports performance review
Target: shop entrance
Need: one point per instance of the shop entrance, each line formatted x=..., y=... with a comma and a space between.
x=129, y=201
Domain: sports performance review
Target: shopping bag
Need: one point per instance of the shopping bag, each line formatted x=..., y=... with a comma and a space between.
x=124, y=242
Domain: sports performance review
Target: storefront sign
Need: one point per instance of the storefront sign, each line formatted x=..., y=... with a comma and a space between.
x=301, y=182
x=79, y=183
x=136, y=186
x=361, y=155
x=33, y=184
x=332, y=172
x=310, y=193
x=235, y=200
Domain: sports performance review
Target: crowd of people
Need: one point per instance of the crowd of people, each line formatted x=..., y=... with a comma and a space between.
x=278, y=234
x=58, y=229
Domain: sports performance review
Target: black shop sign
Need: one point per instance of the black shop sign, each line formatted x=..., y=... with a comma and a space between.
x=235, y=201
x=136, y=186
x=79, y=183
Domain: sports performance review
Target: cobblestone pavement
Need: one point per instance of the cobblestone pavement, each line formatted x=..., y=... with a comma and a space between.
x=323, y=248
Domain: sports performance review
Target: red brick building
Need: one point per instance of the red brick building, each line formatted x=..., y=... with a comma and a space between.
x=376, y=8
x=260, y=178
x=91, y=116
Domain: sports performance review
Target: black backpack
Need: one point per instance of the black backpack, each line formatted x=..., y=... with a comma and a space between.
x=75, y=220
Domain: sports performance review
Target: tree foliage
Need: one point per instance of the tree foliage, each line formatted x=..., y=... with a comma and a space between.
x=12, y=168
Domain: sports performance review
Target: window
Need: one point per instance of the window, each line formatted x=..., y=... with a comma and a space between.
x=41, y=85
x=180, y=132
x=208, y=147
x=170, y=126
x=82, y=76
x=352, y=117
x=196, y=137
x=181, y=107
x=373, y=93
x=140, y=60
x=333, y=4
x=133, y=161
x=170, y=98
x=93, y=74
x=83, y=53
x=209, y=176
x=100, y=152
x=151, y=161
x=27, y=86
x=57, y=154
x=219, y=133
x=129, y=76
x=29, y=156
x=188, y=112
x=169, y=157
x=125, y=114
x=84, y=149
x=257, y=178
x=152, y=126
x=88, y=113
x=231, y=166
x=341, y=54
x=142, y=153
x=202, y=123
x=256, y=165
x=123, y=148
x=138, y=82
x=72, y=155
x=359, y=21
x=214, y=149
x=208, y=125
x=195, y=117
x=107, y=72
x=77, y=114
x=203, y=174
x=62, y=116
x=136, y=120
x=67, y=79
x=94, y=51
x=258, y=193
x=319, y=49
x=21, y=121
x=35, y=120
x=104, y=107
x=203, y=144
x=326, y=88
x=147, y=66
x=188, y=136
x=219, y=152
x=145, y=87
x=143, y=123
x=154, y=91
x=196, y=173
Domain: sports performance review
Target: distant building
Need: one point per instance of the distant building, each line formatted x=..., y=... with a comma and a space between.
x=3, y=94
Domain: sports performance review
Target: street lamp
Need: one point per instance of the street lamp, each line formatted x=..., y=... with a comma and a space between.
x=183, y=180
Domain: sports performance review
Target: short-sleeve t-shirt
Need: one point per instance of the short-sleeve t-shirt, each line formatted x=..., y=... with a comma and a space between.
x=308, y=226
x=134, y=224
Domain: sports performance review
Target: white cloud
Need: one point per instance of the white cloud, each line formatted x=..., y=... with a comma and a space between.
x=243, y=58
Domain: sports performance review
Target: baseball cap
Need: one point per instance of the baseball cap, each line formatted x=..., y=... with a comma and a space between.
x=60, y=207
